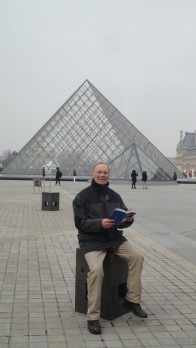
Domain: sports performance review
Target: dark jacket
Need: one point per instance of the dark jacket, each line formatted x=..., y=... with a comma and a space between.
x=90, y=206
x=58, y=174
x=144, y=176
x=134, y=175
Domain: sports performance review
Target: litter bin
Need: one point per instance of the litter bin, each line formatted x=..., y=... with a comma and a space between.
x=37, y=182
x=50, y=200
x=114, y=285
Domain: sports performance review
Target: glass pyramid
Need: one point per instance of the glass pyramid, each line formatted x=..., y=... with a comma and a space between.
x=86, y=129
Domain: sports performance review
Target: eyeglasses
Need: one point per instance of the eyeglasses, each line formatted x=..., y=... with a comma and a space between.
x=99, y=172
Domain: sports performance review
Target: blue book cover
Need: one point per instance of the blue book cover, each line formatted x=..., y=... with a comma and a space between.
x=119, y=215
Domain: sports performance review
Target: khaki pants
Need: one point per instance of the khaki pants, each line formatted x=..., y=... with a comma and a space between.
x=95, y=277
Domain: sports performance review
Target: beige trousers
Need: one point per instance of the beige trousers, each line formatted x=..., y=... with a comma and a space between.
x=95, y=277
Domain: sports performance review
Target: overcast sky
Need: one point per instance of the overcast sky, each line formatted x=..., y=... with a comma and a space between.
x=140, y=54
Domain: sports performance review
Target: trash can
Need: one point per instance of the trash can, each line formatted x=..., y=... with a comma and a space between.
x=37, y=182
x=114, y=285
x=50, y=200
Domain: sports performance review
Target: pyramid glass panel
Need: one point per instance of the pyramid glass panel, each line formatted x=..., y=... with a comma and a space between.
x=88, y=128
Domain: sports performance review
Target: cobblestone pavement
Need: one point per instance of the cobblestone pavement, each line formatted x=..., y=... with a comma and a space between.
x=37, y=279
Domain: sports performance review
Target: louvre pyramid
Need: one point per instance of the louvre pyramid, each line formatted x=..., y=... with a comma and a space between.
x=88, y=128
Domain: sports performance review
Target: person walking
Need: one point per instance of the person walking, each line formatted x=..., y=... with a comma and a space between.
x=58, y=175
x=43, y=172
x=175, y=176
x=74, y=175
x=97, y=235
x=134, y=175
x=144, y=179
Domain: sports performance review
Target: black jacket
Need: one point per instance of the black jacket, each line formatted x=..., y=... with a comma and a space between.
x=134, y=175
x=58, y=174
x=90, y=206
x=144, y=176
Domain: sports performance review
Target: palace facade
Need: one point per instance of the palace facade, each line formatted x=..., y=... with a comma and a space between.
x=186, y=152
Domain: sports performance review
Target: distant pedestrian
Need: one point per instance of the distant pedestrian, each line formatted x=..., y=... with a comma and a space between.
x=134, y=175
x=184, y=173
x=58, y=175
x=74, y=175
x=144, y=179
x=43, y=172
x=175, y=176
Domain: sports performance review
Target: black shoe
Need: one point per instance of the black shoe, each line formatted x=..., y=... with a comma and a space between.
x=94, y=327
x=136, y=309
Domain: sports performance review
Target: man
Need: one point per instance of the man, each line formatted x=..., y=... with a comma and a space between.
x=98, y=234
x=58, y=175
x=74, y=175
x=43, y=172
x=134, y=175
x=144, y=179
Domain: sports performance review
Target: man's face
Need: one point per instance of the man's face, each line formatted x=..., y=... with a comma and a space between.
x=101, y=174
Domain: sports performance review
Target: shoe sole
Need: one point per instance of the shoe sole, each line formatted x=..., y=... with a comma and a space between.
x=94, y=333
x=140, y=316
x=136, y=314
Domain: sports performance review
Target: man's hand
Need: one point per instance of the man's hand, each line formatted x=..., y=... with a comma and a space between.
x=107, y=223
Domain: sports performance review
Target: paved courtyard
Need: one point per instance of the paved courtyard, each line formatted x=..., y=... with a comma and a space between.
x=37, y=272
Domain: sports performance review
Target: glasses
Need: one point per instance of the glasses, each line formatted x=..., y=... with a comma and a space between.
x=99, y=172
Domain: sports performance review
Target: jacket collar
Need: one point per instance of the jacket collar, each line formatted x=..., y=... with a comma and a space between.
x=98, y=186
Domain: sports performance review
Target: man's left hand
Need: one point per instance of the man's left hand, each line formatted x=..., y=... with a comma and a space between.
x=107, y=223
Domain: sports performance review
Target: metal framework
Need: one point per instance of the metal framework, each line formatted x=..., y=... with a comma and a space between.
x=88, y=128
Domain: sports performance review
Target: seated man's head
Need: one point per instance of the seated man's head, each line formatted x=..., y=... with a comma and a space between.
x=101, y=173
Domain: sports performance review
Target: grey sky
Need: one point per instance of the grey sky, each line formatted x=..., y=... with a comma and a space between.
x=141, y=54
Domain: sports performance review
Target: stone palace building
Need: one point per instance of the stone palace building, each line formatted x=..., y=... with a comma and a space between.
x=186, y=152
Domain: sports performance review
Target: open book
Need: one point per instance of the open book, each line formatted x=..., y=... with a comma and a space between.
x=120, y=215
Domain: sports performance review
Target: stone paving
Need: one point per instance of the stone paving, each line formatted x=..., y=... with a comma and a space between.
x=37, y=278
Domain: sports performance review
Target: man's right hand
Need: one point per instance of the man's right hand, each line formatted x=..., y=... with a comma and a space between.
x=107, y=223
